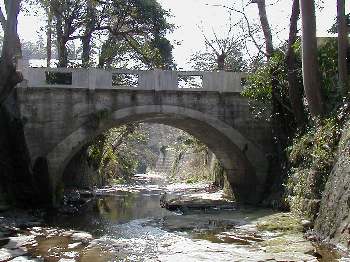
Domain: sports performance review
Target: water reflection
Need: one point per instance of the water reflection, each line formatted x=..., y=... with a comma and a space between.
x=126, y=223
x=128, y=206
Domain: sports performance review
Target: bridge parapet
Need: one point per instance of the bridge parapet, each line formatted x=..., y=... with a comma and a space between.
x=94, y=78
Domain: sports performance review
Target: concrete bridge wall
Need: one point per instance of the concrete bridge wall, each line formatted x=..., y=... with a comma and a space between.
x=61, y=118
x=93, y=78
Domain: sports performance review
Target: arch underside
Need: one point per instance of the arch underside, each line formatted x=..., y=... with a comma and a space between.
x=244, y=163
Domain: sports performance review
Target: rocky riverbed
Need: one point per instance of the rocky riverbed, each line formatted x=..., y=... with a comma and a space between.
x=126, y=223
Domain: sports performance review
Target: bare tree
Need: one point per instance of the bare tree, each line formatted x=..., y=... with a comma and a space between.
x=342, y=46
x=311, y=73
x=11, y=49
x=248, y=32
x=223, y=48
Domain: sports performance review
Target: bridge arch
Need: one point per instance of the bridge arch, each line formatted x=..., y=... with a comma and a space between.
x=244, y=162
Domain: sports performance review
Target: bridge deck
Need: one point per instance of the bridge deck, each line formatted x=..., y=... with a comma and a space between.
x=93, y=78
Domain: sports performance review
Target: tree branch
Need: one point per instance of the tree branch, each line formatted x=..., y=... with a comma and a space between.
x=2, y=20
x=250, y=32
x=265, y=26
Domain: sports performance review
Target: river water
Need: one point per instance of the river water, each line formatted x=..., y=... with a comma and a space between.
x=126, y=223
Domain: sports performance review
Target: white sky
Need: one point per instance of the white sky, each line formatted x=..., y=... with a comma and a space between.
x=189, y=14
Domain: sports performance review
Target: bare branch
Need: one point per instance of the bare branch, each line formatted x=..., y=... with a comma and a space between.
x=250, y=33
x=218, y=41
x=293, y=28
x=134, y=45
x=2, y=20
x=208, y=42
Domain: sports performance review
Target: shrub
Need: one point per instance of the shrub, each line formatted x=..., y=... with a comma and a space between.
x=312, y=156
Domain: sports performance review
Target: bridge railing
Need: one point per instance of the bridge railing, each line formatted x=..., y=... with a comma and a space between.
x=93, y=78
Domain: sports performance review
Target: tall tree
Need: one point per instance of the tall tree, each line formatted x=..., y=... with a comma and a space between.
x=11, y=49
x=294, y=89
x=90, y=25
x=140, y=24
x=265, y=27
x=48, y=36
x=342, y=46
x=68, y=16
x=311, y=74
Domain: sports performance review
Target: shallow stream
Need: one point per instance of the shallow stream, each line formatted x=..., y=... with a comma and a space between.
x=126, y=223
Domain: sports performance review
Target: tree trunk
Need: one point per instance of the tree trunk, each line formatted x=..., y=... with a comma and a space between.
x=86, y=41
x=294, y=87
x=61, y=43
x=11, y=48
x=265, y=27
x=311, y=73
x=342, y=47
x=49, y=37
x=62, y=53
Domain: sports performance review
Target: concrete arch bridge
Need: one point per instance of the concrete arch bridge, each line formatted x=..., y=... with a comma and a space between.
x=63, y=109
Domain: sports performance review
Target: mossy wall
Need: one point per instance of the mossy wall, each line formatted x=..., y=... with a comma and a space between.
x=333, y=221
x=312, y=157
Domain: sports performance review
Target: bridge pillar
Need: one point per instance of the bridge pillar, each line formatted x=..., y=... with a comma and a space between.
x=56, y=186
x=247, y=190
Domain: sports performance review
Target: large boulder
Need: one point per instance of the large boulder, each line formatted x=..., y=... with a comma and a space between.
x=197, y=201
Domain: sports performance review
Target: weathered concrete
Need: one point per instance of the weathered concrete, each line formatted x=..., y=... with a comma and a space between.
x=59, y=121
x=93, y=78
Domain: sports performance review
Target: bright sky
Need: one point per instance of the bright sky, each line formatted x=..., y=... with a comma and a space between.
x=188, y=15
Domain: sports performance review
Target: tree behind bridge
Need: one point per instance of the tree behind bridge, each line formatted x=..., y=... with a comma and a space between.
x=139, y=25
x=11, y=49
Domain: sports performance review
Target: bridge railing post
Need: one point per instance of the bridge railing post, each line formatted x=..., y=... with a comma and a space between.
x=92, y=78
x=205, y=81
x=98, y=78
x=80, y=77
x=22, y=66
x=156, y=79
x=167, y=80
x=146, y=80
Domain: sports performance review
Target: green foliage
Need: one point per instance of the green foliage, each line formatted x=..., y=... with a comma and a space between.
x=114, y=154
x=334, y=28
x=140, y=38
x=259, y=91
x=316, y=148
x=131, y=30
x=312, y=157
x=259, y=83
x=162, y=53
x=312, y=152
x=185, y=143
x=191, y=159
x=328, y=61
x=259, y=88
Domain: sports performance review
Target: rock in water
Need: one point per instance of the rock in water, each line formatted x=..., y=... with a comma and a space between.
x=197, y=201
